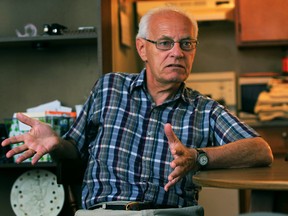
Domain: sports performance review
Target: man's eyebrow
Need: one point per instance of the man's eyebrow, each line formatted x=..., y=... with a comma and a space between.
x=187, y=38
x=164, y=37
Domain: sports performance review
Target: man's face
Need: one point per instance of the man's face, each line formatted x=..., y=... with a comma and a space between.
x=174, y=65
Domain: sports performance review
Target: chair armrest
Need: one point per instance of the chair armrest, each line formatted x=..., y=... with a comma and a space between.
x=70, y=171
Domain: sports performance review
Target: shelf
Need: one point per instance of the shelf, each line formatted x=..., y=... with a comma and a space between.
x=48, y=40
x=26, y=165
x=273, y=123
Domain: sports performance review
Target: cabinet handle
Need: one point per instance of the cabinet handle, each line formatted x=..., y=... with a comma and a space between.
x=284, y=135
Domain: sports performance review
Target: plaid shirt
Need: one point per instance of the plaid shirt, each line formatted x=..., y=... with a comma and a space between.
x=120, y=132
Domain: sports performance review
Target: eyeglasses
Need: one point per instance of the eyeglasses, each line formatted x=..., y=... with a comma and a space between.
x=166, y=44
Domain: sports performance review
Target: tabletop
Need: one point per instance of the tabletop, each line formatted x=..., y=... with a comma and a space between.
x=274, y=177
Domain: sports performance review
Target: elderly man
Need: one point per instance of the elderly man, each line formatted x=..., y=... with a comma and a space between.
x=143, y=136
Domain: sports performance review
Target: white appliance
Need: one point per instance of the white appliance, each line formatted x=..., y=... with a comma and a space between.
x=220, y=86
x=202, y=10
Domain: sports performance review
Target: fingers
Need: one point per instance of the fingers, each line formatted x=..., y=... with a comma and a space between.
x=20, y=138
x=36, y=158
x=26, y=151
x=176, y=147
x=26, y=120
x=25, y=155
x=182, y=162
x=176, y=173
x=13, y=140
x=172, y=138
x=171, y=183
x=29, y=142
x=16, y=150
x=23, y=148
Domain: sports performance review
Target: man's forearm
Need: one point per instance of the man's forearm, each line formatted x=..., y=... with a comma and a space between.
x=242, y=153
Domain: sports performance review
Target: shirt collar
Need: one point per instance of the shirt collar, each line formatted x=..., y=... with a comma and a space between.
x=138, y=81
x=182, y=93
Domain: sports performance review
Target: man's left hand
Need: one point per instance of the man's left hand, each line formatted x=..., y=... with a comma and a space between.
x=184, y=157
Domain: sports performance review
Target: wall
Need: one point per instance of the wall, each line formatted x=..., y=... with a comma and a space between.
x=217, y=51
x=26, y=81
x=30, y=76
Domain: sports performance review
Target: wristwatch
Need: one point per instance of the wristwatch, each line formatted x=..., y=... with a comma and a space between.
x=202, y=158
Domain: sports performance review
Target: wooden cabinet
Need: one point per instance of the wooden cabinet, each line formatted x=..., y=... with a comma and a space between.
x=276, y=136
x=261, y=22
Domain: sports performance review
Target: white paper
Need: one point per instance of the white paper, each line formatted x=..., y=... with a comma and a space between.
x=50, y=106
x=39, y=111
x=53, y=105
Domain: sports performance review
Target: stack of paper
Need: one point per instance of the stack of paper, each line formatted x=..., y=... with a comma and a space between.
x=273, y=104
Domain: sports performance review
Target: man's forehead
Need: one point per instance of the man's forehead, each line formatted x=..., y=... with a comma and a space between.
x=167, y=26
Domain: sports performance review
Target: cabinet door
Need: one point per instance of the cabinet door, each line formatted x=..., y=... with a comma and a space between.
x=277, y=137
x=261, y=22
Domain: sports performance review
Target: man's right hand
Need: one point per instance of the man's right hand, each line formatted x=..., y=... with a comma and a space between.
x=40, y=140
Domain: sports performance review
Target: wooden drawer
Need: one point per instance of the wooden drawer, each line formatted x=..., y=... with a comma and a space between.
x=276, y=136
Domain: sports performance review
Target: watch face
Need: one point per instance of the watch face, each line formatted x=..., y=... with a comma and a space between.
x=36, y=192
x=203, y=160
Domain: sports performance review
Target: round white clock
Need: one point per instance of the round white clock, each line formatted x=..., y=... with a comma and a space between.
x=36, y=192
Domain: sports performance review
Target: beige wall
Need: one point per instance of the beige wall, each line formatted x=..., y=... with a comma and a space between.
x=30, y=76
x=219, y=202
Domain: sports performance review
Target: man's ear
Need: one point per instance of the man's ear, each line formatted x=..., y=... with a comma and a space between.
x=140, y=45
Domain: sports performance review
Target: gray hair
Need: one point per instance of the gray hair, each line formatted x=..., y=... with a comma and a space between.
x=145, y=20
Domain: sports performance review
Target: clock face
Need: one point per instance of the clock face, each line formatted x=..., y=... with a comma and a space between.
x=36, y=192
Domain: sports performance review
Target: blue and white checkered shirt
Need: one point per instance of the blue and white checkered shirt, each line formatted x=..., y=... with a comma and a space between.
x=120, y=132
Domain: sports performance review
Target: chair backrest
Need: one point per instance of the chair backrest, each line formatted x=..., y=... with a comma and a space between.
x=70, y=171
x=70, y=174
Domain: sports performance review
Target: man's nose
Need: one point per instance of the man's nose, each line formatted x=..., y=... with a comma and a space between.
x=177, y=50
